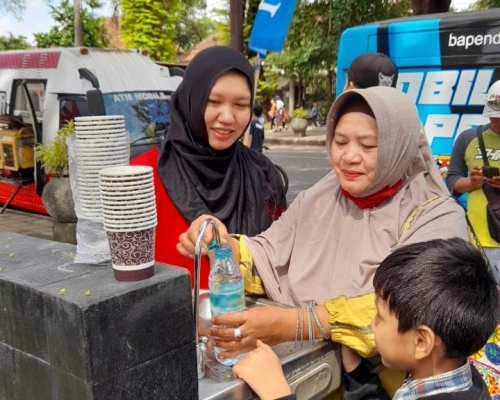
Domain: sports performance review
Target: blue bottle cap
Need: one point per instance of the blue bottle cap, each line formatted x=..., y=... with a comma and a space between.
x=223, y=251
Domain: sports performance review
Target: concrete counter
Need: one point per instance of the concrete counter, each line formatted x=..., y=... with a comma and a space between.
x=70, y=331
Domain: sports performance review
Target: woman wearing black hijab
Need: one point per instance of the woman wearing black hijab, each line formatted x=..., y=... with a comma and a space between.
x=203, y=168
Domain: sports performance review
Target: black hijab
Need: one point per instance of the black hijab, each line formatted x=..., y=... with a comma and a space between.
x=238, y=185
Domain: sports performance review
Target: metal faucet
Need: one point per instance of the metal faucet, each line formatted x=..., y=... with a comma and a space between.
x=201, y=342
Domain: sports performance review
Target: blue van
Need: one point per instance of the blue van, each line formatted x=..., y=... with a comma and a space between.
x=446, y=64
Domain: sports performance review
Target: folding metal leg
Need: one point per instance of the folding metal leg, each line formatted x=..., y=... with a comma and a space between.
x=18, y=188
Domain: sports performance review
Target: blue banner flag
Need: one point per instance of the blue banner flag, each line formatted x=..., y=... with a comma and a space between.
x=271, y=26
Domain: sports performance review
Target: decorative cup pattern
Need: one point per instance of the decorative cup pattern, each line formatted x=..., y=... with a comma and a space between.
x=133, y=249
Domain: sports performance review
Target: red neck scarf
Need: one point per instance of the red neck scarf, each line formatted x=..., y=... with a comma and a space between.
x=375, y=199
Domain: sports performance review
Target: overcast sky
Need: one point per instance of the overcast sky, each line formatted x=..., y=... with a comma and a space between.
x=36, y=17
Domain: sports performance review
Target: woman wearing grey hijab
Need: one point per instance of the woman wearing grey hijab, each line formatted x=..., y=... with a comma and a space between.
x=384, y=192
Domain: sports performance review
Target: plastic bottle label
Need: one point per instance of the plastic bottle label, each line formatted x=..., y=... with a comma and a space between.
x=223, y=303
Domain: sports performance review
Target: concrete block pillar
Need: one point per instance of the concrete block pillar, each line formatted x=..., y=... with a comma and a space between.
x=71, y=331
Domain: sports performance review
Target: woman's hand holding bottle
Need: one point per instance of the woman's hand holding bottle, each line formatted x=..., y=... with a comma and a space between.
x=187, y=240
x=271, y=325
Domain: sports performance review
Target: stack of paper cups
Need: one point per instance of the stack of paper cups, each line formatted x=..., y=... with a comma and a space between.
x=101, y=142
x=129, y=217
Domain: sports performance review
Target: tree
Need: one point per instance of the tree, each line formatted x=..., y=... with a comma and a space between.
x=77, y=23
x=150, y=25
x=421, y=7
x=484, y=4
x=311, y=46
x=12, y=42
x=192, y=25
x=62, y=33
x=14, y=7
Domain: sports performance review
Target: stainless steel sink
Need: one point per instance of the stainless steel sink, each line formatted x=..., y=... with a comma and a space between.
x=313, y=372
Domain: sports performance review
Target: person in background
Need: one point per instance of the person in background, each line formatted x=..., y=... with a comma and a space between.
x=437, y=303
x=371, y=69
x=262, y=118
x=256, y=130
x=315, y=114
x=283, y=117
x=280, y=111
x=203, y=167
x=465, y=174
x=273, y=112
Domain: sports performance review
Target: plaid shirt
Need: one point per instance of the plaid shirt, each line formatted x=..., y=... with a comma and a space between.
x=458, y=380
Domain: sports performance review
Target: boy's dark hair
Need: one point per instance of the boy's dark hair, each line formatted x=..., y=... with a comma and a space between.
x=372, y=69
x=446, y=285
x=257, y=110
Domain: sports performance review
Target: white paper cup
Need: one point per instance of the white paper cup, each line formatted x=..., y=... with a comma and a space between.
x=130, y=170
x=99, y=118
x=112, y=212
x=128, y=223
x=90, y=165
x=128, y=181
x=132, y=201
x=128, y=208
x=146, y=195
x=125, y=188
x=104, y=144
x=105, y=138
x=99, y=127
x=129, y=227
x=103, y=151
x=98, y=132
x=144, y=191
x=103, y=158
x=119, y=182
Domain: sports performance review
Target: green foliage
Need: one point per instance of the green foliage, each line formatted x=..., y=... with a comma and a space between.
x=192, y=25
x=266, y=88
x=311, y=46
x=12, y=42
x=484, y=4
x=14, y=7
x=150, y=25
x=299, y=113
x=61, y=34
x=222, y=25
x=54, y=155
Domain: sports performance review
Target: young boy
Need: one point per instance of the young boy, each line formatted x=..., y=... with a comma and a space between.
x=437, y=303
x=256, y=130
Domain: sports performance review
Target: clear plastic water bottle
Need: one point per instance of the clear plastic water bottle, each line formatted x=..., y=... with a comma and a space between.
x=227, y=291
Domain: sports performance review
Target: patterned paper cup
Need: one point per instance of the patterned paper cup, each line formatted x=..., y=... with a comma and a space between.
x=132, y=254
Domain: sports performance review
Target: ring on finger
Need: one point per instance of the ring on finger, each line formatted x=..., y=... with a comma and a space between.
x=237, y=335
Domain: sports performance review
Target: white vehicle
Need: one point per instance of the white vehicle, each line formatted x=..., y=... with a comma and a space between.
x=64, y=83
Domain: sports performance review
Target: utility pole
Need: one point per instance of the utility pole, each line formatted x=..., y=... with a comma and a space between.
x=77, y=22
x=236, y=16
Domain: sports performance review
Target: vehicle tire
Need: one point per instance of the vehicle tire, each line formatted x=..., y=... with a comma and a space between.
x=284, y=177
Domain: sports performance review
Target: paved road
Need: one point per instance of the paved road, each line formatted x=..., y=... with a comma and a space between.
x=304, y=165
